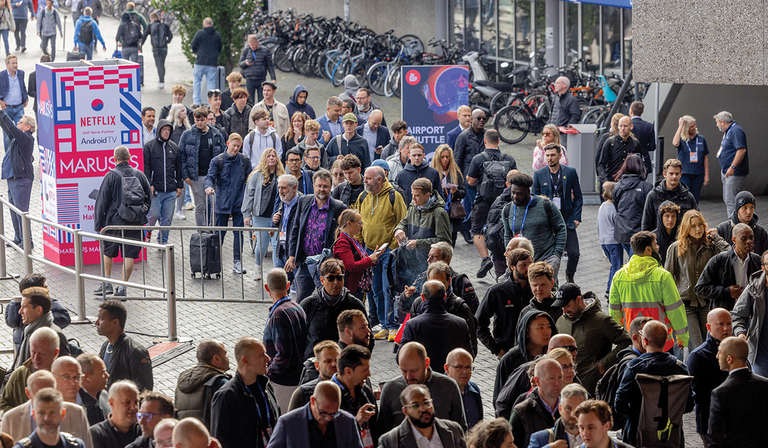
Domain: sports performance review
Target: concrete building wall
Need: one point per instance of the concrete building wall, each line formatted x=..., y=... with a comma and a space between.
x=403, y=16
x=701, y=41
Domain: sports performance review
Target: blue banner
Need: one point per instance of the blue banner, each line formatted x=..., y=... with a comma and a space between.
x=618, y=3
x=431, y=95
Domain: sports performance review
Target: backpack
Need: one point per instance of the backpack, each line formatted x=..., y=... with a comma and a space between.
x=609, y=384
x=308, y=372
x=494, y=228
x=132, y=207
x=494, y=175
x=131, y=33
x=86, y=32
x=253, y=135
x=364, y=194
x=661, y=414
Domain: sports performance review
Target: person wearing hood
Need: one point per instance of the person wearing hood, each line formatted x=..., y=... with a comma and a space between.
x=686, y=259
x=349, y=142
x=629, y=195
x=326, y=303
x=351, y=86
x=668, y=189
x=417, y=168
x=255, y=63
x=644, y=288
x=196, y=386
x=278, y=113
x=595, y=333
x=298, y=102
x=206, y=45
x=534, y=331
x=667, y=225
x=745, y=214
x=162, y=166
x=129, y=34
x=86, y=33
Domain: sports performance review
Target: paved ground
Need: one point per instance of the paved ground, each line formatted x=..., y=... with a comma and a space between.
x=228, y=320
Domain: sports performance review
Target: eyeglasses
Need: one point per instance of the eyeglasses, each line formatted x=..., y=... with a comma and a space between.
x=463, y=368
x=147, y=415
x=481, y=118
x=77, y=378
x=546, y=134
x=335, y=278
x=568, y=367
x=313, y=158
x=331, y=415
x=161, y=443
x=570, y=348
x=426, y=404
x=294, y=160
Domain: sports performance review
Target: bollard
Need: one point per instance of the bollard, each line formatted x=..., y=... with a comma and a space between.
x=170, y=282
x=27, y=235
x=79, y=281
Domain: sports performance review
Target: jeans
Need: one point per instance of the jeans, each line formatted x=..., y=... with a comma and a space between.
x=201, y=199
x=5, y=34
x=15, y=114
x=160, y=54
x=616, y=255
x=254, y=89
x=381, y=306
x=183, y=199
x=572, y=247
x=305, y=284
x=262, y=238
x=19, y=193
x=222, y=220
x=162, y=207
x=21, y=33
x=86, y=49
x=467, y=202
x=694, y=182
x=697, y=325
x=198, y=72
x=130, y=54
x=731, y=187
x=44, y=46
x=627, y=248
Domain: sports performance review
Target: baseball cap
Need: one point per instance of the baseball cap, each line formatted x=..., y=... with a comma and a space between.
x=381, y=164
x=566, y=293
x=350, y=117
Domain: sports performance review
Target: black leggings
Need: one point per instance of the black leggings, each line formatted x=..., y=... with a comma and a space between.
x=21, y=33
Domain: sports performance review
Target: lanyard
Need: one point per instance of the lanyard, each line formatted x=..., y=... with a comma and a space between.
x=272, y=310
x=266, y=401
x=555, y=186
x=514, y=215
x=253, y=53
x=359, y=246
x=696, y=143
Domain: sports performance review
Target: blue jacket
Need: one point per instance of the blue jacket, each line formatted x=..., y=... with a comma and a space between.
x=540, y=439
x=189, y=148
x=20, y=12
x=570, y=207
x=229, y=182
x=96, y=32
x=323, y=121
x=4, y=86
x=453, y=134
x=704, y=368
x=17, y=162
x=292, y=430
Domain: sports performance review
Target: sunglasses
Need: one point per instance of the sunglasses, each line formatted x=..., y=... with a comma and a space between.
x=481, y=118
x=335, y=278
x=570, y=348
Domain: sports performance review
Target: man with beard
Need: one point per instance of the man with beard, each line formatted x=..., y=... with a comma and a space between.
x=644, y=288
x=283, y=218
x=541, y=278
x=566, y=429
x=357, y=396
x=48, y=413
x=540, y=410
x=421, y=425
x=353, y=328
x=326, y=355
x=154, y=408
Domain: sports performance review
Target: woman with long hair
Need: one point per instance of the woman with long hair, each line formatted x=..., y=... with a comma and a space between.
x=259, y=200
x=496, y=433
x=347, y=249
x=629, y=199
x=179, y=123
x=452, y=182
x=686, y=259
x=295, y=133
x=550, y=134
x=7, y=24
x=693, y=152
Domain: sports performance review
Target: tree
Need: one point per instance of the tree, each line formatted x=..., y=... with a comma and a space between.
x=231, y=18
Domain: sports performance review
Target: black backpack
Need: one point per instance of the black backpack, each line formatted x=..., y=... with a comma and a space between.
x=132, y=207
x=86, y=32
x=494, y=175
x=494, y=228
x=131, y=33
x=608, y=385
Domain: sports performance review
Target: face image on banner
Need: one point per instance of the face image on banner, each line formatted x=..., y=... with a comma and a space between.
x=431, y=96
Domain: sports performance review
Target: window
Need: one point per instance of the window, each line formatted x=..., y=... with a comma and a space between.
x=590, y=25
x=523, y=31
x=612, y=37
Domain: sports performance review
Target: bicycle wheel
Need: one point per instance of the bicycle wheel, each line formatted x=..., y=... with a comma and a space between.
x=340, y=71
x=359, y=70
x=330, y=63
x=388, y=81
x=395, y=82
x=413, y=45
x=301, y=61
x=315, y=60
x=377, y=76
x=512, y=122
x=499, y=101
x=280, y=58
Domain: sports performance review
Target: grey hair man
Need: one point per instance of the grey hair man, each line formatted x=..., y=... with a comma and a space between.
x=566, y=429
x=283, y=219
x=733, y=157
x=566, y=110
x=121, y=426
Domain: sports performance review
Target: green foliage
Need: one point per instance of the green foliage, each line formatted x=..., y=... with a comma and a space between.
x=231, y=18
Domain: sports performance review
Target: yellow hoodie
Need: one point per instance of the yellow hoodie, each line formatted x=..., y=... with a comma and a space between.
x=380, y=216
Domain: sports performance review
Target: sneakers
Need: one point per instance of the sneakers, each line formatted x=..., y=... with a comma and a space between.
x=485, y=266
x=392, y=335
x=161, y=85
x=108, y=289
x=383, y=334
x=121, y=291
x=569, y=279
x=188, y=206
x=238, y=269
x=179, y=215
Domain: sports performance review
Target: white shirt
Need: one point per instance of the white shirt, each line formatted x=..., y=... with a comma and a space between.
x=740, y=271
x=149, y=134
x=423, y=442
x=574, y=440
x=370, y=137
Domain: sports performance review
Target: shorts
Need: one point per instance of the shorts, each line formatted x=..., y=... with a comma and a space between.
x=112, y=249
x=480, y=211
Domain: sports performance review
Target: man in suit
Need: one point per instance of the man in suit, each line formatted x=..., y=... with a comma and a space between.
x=313, y=230
x=330, y=122
x=13, y=91
x=560, y=184
x=464, y=114
x=18, y=421
x=740, y=403
x=376, y=134
x=643, y=132
x=421, y=425
x=17, y=168
x=311, y=425
x=283, y=218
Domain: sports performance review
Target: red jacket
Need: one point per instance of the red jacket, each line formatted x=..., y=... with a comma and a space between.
x=355, y=263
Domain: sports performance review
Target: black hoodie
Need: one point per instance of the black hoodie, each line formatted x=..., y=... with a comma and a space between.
x=664, y=239
x=680, y=196
x=293, y=105
x=206, y=45
x=410, y=173
x=162, y=162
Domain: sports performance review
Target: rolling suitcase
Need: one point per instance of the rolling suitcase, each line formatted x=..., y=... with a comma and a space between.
x=205, y=251
x=141, y=68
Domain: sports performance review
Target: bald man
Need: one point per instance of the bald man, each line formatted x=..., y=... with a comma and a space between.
x=69, y=377
x=615, y=150
x=318, y=423
x=740, y=404
x=458, y=365
x=121, y=426
x=655, y=361
x=530, y=416
x=374, y=132
x=703, y=365
x=191, y=433
x=18, y=421
x=163, y=433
